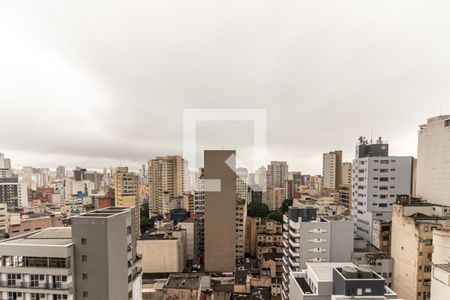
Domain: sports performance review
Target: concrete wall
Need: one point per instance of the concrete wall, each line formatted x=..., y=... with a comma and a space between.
x=160, y=255
x=433, y=161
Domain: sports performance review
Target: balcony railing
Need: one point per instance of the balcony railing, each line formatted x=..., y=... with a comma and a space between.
x=40, y=285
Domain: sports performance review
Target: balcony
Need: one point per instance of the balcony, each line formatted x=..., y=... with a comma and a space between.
x=40, y=285
x=294, y=263
x=294, y=253
x=294, y=244
x=294, y=234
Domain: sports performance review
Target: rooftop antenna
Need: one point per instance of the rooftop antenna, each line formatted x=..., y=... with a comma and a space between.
x=371, y=136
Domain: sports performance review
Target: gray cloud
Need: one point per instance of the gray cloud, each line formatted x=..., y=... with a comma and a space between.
x=103, y=83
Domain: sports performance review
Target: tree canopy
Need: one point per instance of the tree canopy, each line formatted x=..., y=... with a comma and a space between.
x=286, y=203
x=257, y=209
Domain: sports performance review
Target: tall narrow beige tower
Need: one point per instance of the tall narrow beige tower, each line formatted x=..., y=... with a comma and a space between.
x=220, y=210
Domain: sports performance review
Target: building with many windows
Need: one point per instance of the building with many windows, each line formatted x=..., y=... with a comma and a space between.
x=377, y=179
x=332, y=170
x=95, y=258
x=413, y=223
x=309, y=237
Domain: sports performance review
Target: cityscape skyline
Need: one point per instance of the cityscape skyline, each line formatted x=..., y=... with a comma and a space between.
x=354, y=76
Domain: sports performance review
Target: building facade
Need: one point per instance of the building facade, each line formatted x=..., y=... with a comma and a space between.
x=312, y=238
x=220, y=210
x=433, y=160
x=332, y=170
x=377, y=179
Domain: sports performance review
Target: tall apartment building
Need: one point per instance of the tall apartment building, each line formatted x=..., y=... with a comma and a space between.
x=12, y=192
x=377, y=179
x=220, y=210
x=243, y=190
x=276, y=177
x=332, y=170
x=433, y=160
x=60, y=171
x=199, y=194
x=312, y=238
x=338, y=281
x=95, y=258
x=277, y=174
x=167, y=177
x=413, y=223
x=126, y=192
x=346, y=173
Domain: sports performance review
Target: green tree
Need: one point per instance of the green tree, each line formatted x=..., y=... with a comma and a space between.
x=256, y=209
x=276, y=216
x=286, y=203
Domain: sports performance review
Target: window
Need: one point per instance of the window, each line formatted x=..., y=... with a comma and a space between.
x=85, y=294
x=427, y=269
x=83, y=241
x=34, y=280
x=85, y=276
x=447, y=123
x=84, y=258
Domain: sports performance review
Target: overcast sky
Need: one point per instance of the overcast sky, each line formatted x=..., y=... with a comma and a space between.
x=104, y=83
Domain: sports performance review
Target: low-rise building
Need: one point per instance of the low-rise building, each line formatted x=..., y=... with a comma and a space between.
x=192, y=227
x=31, y=222
x=183, y=286
x=413, y=222
x=163, y=252
x=338, y=281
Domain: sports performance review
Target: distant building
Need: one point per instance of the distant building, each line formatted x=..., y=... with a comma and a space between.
x=29, y=223
x=332, y=170
x=12, y=192
x=167, y=177
x=433, y=160
x=277, y=175
x=126, y=192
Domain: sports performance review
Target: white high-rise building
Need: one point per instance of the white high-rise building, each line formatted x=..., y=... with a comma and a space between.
x=308, y=237
x=433, y=161
x=332, y=170
x=377, y=179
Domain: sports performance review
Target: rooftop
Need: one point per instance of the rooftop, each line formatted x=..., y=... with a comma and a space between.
x=184, y=281
x=104, y=212
x=52, y=236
